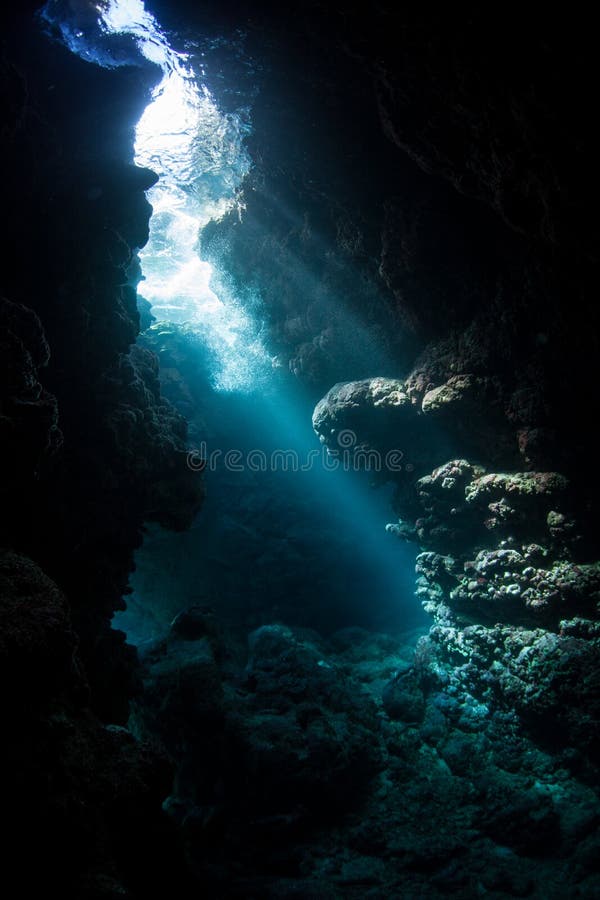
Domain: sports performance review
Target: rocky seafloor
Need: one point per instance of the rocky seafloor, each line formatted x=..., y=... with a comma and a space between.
x=456, y=760
x=411, y=175
x=365, y=765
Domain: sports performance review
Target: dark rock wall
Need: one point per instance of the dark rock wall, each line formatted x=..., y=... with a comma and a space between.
x=490, y=286
x=358, y=255
x=82, y=800
x=95, y=449
x=497, y=394
x=90, y=451
x=419, y=200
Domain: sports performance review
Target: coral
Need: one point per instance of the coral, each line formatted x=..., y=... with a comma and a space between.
x=502, y=809
x=497, y=547
x=377, y=415
x=503, y=584
x=518, y=486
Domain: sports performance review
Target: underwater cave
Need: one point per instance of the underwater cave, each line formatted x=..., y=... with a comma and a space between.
x=299, y=578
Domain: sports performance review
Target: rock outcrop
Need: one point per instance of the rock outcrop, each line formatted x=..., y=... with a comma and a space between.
x=90, y=452
x=505, y=568
x=93, y=449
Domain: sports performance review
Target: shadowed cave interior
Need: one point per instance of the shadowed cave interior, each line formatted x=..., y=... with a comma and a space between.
x=299, y=585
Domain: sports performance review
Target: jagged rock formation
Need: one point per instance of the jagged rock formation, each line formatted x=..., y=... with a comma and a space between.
x=474, y=270
x=90, y=451
x=103, y=450
x=505, y=568
x=506, y=681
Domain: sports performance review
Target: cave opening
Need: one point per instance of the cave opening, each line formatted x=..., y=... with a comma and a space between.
x=321, y=558
x=299, y=575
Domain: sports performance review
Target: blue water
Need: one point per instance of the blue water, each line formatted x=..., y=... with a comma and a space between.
x=283, y=535
x=307, y=544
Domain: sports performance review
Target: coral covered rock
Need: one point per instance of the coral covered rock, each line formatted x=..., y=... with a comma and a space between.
x=502, y=551
x=376, y=424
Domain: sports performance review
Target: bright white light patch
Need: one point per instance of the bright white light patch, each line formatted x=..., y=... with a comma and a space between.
x=127, y=17
x=198, y=153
